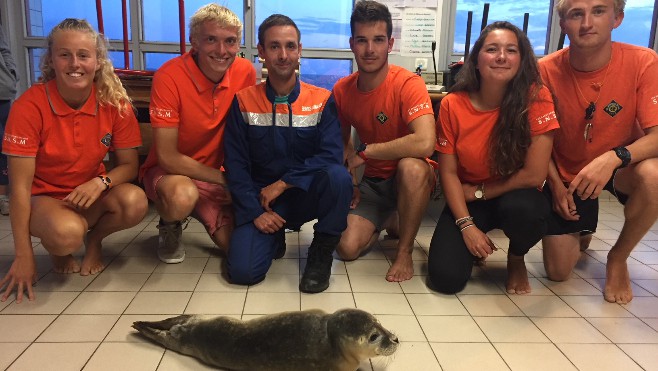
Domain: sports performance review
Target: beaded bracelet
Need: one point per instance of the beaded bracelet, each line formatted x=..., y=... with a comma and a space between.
x=466, y=227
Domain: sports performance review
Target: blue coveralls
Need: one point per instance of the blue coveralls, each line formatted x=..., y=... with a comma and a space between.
x=297, y=141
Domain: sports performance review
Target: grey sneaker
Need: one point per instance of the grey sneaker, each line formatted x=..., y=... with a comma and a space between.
x=4, y=205
x=170, y=246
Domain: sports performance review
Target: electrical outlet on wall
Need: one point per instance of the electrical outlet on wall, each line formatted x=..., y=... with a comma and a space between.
x=422, y=62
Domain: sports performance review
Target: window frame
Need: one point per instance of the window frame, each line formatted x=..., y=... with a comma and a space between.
x=13, y=19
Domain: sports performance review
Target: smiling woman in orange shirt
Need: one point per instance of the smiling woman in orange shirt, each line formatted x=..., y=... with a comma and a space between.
x=58, y=133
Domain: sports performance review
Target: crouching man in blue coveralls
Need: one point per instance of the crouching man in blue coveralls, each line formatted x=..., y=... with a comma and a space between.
x=284, y=165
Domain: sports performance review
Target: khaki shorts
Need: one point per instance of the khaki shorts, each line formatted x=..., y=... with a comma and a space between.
x=379, y=199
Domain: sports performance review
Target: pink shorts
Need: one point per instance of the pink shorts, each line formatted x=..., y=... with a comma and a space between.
x=213, y=208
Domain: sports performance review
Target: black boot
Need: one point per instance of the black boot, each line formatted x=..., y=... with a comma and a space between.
x=318, y=266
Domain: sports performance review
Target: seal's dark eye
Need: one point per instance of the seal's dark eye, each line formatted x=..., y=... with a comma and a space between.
x=374, y=337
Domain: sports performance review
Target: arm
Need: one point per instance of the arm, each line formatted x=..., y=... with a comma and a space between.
x=6, y=54
x=125, y=170
x=348, y=150
x=532, y=174
x=329, y=151
x=174, y=162
x=418, y=143
x=476, y=241
x=563, y=202
x=245, y=194
x=22, y=272
x=589, y=182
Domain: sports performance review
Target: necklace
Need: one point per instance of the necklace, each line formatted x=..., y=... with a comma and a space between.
x=591, y=107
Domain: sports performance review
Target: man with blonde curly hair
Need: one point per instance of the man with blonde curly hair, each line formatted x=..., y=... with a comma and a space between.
x=190, y=99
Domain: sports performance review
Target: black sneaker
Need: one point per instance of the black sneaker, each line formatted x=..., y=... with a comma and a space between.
x=318, y=266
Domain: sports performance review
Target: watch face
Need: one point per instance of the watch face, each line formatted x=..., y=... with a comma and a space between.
x=478, y=194
x=361, y=147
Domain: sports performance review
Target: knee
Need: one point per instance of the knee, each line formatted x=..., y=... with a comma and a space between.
x=248, y=260
x=134, y=205
x=181, y=196
x=244, y=277
x=244, y=273
x=339, y=179
x=647, y=173
x=556, y=272
x=556, y=269
x=445, y=283
x=413, y=171
x=338, y=173
x=348, y=249
x=66, y=236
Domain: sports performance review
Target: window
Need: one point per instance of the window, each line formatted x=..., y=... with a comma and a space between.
x=154, y=60
x=43, y=15
x=324, y=72
x=503, y=10
x=35, y=59
x=323, y=24
x=161, y=17
x=36, y=53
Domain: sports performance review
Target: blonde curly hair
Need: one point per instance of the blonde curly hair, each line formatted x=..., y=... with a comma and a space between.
x=109, y=89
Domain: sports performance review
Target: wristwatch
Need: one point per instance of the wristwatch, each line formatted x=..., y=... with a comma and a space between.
x=106, y=180
x=624, y=155
x=479, y=193
x=360, y=151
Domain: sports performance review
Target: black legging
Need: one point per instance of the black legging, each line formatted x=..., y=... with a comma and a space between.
x=521, y=214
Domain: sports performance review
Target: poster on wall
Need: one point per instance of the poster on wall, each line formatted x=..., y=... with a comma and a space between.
x=414, y=26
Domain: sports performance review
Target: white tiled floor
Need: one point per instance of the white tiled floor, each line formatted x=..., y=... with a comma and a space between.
x=84, y=322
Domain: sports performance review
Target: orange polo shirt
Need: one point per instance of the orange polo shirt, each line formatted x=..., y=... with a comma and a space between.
x=68, y=145
x=182, y=97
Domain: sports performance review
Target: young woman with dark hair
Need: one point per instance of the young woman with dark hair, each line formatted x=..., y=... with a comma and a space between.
x=495, y=137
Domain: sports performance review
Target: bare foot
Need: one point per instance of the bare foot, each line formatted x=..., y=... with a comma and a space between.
x=517, y=276
x=92, y=263
x=618, y=282
x=402, y=268
x=65, y=264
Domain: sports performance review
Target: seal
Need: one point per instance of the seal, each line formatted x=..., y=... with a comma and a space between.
x=288, y=341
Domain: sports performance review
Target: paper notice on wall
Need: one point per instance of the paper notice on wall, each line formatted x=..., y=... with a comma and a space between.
x=418, y=32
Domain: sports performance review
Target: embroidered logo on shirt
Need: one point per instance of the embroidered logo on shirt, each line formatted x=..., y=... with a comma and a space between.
x=15, y=139
x=382, y=118
x=422, y=106
x=107, y=139
x=612, y=108
x=161, y=112
x=442, y=142
x=546, y=118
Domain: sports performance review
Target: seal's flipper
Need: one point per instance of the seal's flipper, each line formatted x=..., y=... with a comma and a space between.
x=160, y=331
